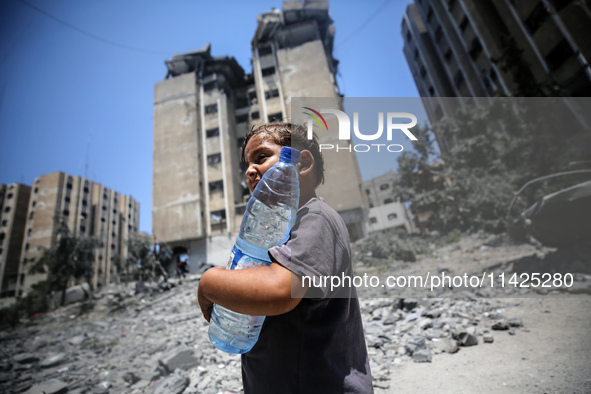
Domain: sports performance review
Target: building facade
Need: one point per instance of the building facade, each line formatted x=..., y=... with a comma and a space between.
x=386, y=212
x=202, y=112
x=474, y=50
x=14, y=201
x=87, y=208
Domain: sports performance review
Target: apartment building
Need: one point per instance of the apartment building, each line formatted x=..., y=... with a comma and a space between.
x=202, y=112
x=14, y=201
x=464, y=52
x=30, y=215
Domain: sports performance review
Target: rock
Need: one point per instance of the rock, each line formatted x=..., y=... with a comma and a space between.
x=6, y=377
x=202, y=385
x=5, y=365
x=424, y=323
x=373, y=341
x=105, y=384
x=391, y=319
x=445, y=345
x=181, y=357
x=488, y=338
x=52, y=386
x=435, y=333
x=412, y=316
x=130, y=378
x=52, y=361
x=174, y=384
x=410, y=303
x=434, y=313
x=466, y=339
x=514, y=322
x=422, y=355
x=77, y=293
x=23, y=367
x=77, y=340
x=579, y=288
x=468, y=295
x=415, y=344
x=500, y=325
x=25, y=358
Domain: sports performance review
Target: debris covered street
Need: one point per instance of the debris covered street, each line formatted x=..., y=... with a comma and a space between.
x=150, y=339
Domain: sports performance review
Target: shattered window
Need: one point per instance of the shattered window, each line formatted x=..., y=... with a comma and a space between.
x=218, y=216
x=275, y=117
x=271, y=93
x=211, y=109
x=212, y=132
x=210, y=86
x=265, y=50
x=268, y=71
x=392, y=216
x=216, y=158
x=216, y=186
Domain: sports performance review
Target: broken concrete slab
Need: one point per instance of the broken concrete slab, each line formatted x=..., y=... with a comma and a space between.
x=52, y=386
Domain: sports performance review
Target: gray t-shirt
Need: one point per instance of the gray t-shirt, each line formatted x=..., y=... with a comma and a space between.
x=319, y=346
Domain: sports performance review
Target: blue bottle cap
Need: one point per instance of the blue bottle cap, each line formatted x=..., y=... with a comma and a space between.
x=289, y=155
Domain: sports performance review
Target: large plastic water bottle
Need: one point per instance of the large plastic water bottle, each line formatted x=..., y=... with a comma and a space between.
x=269, y=217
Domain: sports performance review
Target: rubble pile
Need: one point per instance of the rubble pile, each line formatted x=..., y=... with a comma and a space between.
x=138, y=343
x=151, y=338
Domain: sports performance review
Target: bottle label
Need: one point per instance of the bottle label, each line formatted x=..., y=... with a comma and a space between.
x=239, y=260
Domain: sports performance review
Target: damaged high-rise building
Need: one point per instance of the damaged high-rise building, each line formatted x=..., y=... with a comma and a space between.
x=202, y=112
x=474, y=50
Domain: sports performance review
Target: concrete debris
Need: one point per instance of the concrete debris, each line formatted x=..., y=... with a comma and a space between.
x=151, y=338
x=174, y=384
x=422, y=356
x=53, y=360
x=182, y=357
x=157, y=343
x=500, y=325
x=515, y=322
x=445, y=345
x=52, y=386
x=488, y=338
x=25, y=358
x=466, y=339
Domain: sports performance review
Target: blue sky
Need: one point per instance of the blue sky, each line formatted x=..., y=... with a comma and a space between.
x=78, y=97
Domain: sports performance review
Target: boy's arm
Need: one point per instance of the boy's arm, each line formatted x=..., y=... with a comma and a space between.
x=265, y=290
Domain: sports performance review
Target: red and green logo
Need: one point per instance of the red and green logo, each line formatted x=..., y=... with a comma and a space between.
x=315, y=118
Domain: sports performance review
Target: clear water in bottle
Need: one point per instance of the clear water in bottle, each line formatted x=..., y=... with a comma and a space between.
x=269, y=217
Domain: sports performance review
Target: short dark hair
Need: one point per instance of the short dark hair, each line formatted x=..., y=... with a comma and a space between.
x=293, y=135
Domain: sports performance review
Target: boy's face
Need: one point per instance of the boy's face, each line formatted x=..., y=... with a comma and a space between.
x=260, y=154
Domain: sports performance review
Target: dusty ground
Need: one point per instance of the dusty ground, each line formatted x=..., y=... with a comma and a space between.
x=551, y=353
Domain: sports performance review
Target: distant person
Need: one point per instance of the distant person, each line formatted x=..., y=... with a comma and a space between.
x=181, y=268
x=306, y=345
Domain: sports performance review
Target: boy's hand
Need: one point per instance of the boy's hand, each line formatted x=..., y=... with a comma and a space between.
x=205, y=304
x=261, y=291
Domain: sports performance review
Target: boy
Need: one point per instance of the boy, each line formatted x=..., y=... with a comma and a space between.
x=307, y=345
